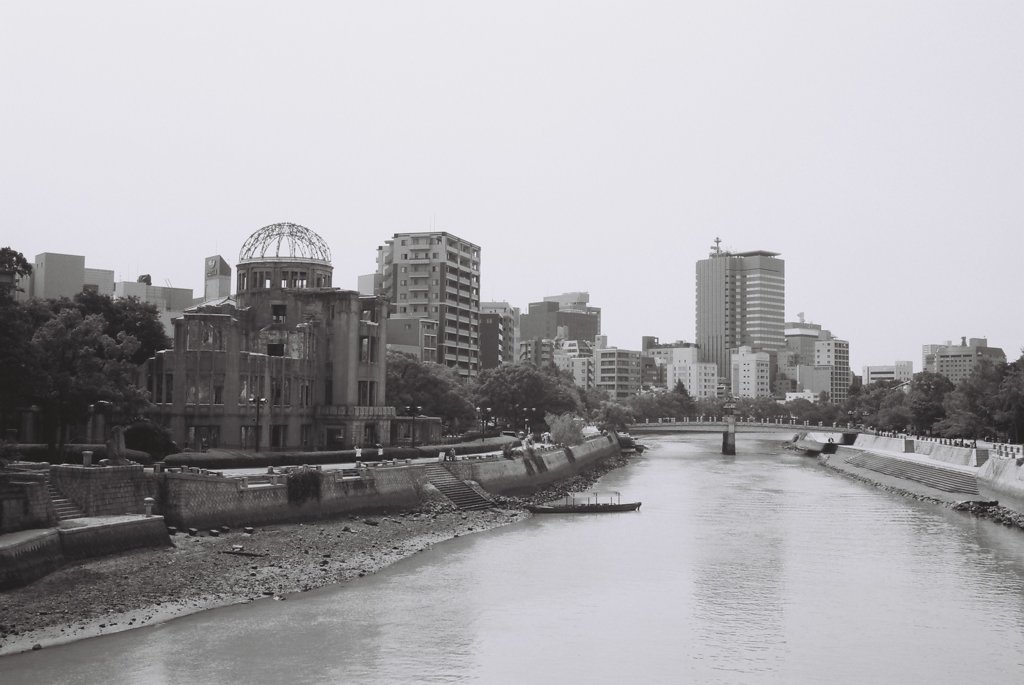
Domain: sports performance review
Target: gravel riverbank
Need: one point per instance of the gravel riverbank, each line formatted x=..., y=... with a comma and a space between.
x=144, y=587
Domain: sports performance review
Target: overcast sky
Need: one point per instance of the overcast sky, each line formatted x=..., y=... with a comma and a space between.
x=599, y=146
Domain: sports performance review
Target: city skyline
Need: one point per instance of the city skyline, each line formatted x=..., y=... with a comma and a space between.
x=883, y=165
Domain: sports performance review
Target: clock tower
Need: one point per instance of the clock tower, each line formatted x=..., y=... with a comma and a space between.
x=217, y=278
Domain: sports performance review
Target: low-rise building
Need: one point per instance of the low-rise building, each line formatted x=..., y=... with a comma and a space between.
x=899, y=372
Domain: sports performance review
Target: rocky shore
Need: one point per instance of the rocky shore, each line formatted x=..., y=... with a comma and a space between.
x=144, y=587
x=989, y=510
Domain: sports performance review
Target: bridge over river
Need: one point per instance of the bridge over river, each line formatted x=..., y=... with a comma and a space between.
x=716, y=424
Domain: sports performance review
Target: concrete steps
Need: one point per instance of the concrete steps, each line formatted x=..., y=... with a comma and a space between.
x=65, y=508
x=936, y=477
x=462, y=496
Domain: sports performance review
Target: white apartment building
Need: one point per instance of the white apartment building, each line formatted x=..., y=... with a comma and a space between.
x=750, y=373
x=834, y=355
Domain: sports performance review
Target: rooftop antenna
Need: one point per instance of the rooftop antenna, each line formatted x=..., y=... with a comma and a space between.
x=716, y=248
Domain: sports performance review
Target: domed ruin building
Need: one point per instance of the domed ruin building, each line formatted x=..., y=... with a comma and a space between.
x=287, y=362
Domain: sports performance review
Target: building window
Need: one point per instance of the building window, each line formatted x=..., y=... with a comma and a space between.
x=242, y=280
x=169, y=388
x=275, y=349
x=367, y=393
x=328, y=391
x=306, y=433
x=278, y=312
x=278, y=435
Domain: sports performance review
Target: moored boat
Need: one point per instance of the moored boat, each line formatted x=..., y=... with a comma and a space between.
x=591, y=505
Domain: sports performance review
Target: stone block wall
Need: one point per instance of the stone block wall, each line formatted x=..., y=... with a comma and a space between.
x=32, y=555
x=108, y=538
x=192, y=500
x=24, y=502
x=103, y=490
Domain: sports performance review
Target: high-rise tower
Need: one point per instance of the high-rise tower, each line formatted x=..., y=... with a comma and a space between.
x=436, y=275
x=741, y=302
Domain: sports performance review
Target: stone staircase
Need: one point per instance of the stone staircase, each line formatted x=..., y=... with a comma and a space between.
x=945, y=479
x=65, y=508
x=462, y=496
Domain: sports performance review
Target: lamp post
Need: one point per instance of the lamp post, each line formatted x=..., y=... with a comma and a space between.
x=483, y=411
x=413, y=411
x=529, y=416
x=258, y=401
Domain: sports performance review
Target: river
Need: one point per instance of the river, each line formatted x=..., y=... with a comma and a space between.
x=759, y=568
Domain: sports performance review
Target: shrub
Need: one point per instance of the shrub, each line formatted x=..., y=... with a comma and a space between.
x=303, y=484
x=566, y=429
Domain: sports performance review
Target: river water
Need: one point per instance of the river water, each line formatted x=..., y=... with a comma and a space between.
x=759, y=568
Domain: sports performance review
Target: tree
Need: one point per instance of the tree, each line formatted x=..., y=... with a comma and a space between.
x=78, y=365
x=18, y=358
x=437, y=388
x=972, y=408
x=1010, y=415
x=129, y=315
x=565, y=429
x=924, y=400
x=593, y=399
x=614, y=416
x=13, y=262
x=510, y=389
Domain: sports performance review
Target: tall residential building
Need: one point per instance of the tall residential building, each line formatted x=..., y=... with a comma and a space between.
x=834, y=355
x=436, y=275
x=900, y=372
x=957, y=362
x=741, y=302
x=568, y=316
x=499, y=340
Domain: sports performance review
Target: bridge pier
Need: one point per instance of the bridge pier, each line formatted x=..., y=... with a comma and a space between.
x=729, y=436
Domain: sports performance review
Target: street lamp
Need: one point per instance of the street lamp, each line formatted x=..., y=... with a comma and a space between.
x=528, y=417
x=483, y=411
x=413, y=410
x=258, y=401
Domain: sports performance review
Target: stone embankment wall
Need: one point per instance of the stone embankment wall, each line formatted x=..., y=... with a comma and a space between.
x=103, y=490
x=82, y=542
x=933, y=448
x=1002, y=478
x=200, y=500
x=24, y=502
x=527, y=474
x=28, y=555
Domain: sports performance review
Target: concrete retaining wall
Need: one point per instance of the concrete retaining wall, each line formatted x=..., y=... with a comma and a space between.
x=1002, y=479
x=99, y=538
x=202, y=501
x=962, y=456
x=196, y=500
x=27, y=555
x=525, y=474
x=102, y=490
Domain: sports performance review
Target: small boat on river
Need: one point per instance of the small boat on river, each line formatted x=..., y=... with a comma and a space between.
x=591, y=505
